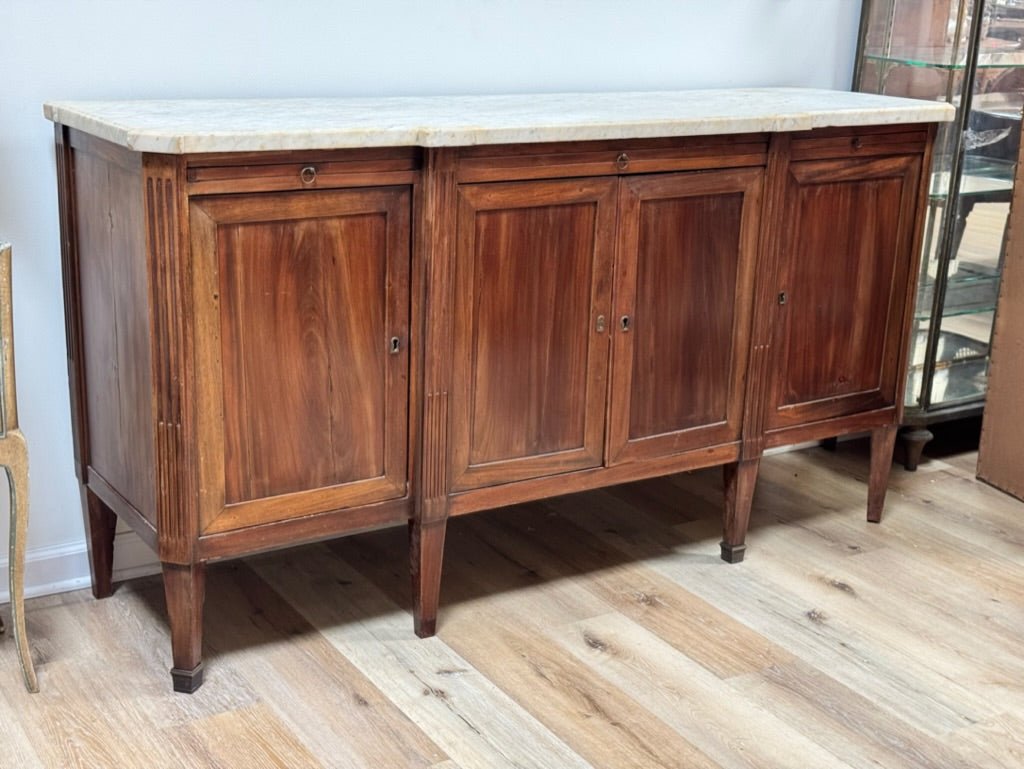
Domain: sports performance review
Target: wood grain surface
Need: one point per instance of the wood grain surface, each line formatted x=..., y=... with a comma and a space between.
x=591, y=630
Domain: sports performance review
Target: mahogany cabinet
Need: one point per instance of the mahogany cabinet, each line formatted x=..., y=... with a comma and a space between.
x=272, y=347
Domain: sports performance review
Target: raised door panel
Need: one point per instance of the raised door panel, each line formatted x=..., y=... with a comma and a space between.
x=533, y=273
x=302, y=331
x=687, y=247
x=844, y=264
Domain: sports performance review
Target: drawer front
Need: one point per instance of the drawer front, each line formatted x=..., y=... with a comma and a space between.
x=610, y=158
x=860, y=142
x=272, y=172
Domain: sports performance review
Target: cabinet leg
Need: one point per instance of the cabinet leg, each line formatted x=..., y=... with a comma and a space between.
x=740, y=479
x=16, y=464
x=913, y=446
x=882, y=441
x=185, y=589
x=101, y=523
x=426, y=545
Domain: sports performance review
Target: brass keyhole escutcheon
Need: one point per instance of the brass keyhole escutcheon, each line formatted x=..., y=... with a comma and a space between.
x=625, y=323
x=395, y=345
x=782, y=297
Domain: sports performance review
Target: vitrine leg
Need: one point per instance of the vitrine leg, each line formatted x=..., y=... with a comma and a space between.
x=17, y=481
x=913, y=446
x=101, y=522
x=740, y=479
x=882, y=441
x=426, y=546
x=185, y=589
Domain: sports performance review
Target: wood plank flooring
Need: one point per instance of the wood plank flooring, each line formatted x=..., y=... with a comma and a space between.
x=594, y=630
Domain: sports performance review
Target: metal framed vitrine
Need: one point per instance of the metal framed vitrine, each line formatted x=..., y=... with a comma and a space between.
x=969, y=53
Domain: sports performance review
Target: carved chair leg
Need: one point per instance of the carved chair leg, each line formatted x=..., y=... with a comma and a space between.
x=101, y=523
x=882, y=441
x=740, y=479
x=426, y=546
x=17, y=480
x=185, y=590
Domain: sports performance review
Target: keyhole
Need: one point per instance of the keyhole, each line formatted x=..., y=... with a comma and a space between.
x=395, y=345
x=625, y=323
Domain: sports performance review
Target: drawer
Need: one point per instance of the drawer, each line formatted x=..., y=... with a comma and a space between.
x=273, y=172
x=610, y=158
x=859, y=142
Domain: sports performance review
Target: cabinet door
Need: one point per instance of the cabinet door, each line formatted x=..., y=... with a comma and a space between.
x=842, y=287
x=533, y=274
x=687, y=245
x=302, y=304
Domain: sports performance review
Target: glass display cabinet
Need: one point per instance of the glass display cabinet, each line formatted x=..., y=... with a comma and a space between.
x=969, y=53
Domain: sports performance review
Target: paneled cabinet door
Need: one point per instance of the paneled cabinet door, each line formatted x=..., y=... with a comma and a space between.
x=302, y=313
x=687, y=249
x=844, y=263
x=532, y=301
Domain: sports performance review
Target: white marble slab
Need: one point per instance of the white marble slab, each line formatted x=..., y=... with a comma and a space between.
x=237, y=125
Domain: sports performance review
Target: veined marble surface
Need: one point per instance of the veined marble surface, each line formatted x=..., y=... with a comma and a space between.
x=239, y=125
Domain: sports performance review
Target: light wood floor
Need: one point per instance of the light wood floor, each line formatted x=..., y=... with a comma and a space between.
x=596, y=630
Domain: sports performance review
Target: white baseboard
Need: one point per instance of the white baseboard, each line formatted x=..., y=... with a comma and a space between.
x=61, y=568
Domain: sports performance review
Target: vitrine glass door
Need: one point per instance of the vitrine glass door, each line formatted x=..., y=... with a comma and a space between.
x=969, y=53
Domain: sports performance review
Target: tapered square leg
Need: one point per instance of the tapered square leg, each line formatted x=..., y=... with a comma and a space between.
x=426, y=546
x=883, y=439
x=101, y=523
x=740, y=479
x=185, y=589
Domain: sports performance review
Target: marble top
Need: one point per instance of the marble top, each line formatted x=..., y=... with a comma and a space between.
x=239, y=125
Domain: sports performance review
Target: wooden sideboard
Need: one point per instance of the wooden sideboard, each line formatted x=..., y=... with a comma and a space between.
x=274, y=346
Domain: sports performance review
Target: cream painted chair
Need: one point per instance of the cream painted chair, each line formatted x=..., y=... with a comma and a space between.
x=14, y=459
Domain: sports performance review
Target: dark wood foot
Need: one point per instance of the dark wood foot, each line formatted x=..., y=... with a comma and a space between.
x=740, y=479
x=187, y=681
x=732, y=553
x=185, y=589
x=883, y=439
x=426, y=544
x=101, y=522
x=913, y=446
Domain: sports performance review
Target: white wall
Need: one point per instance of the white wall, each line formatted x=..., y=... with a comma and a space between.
x=81, y=49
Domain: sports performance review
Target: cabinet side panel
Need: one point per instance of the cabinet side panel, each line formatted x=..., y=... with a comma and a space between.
x=115, y=324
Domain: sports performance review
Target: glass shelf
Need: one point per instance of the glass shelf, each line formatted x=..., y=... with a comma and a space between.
x=948, y=58
x=961, y=369
x=967, y=292
x=981, y=176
